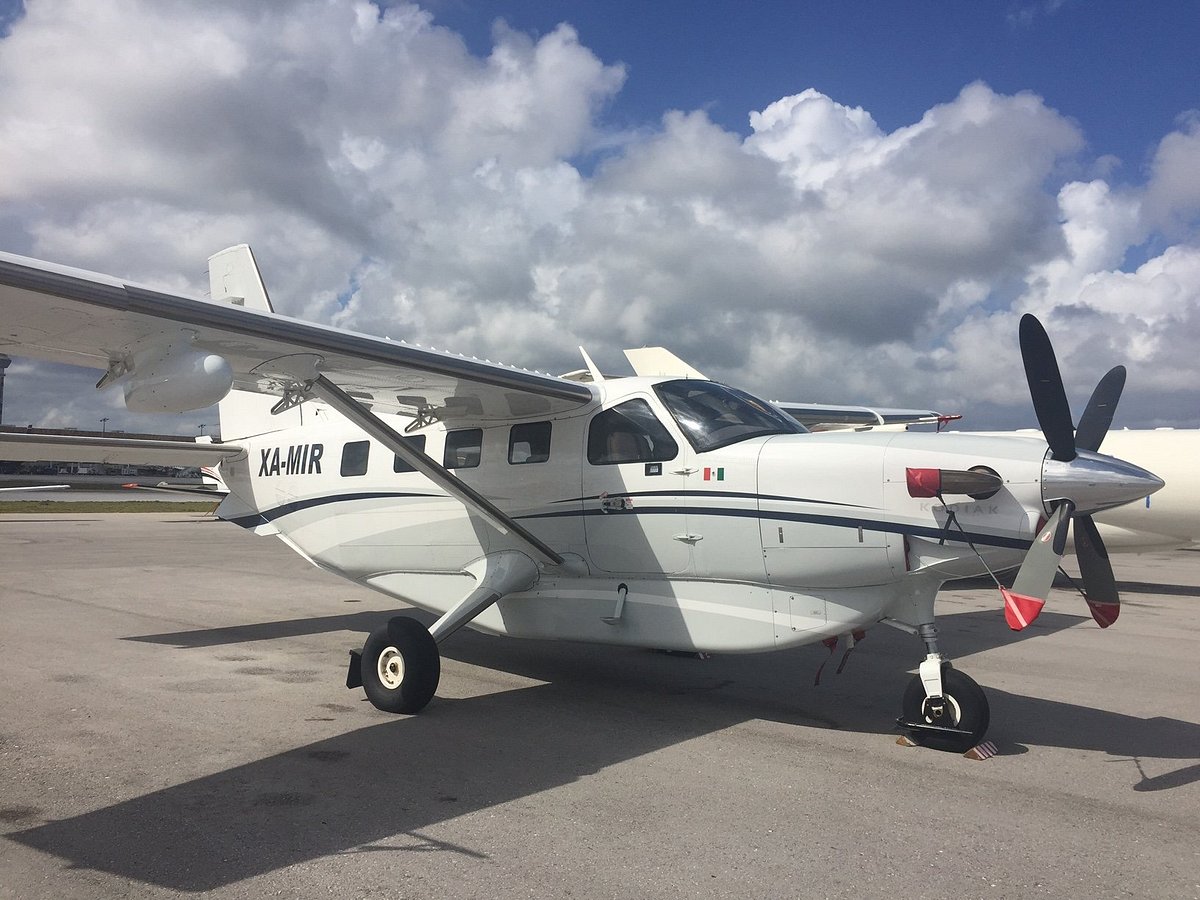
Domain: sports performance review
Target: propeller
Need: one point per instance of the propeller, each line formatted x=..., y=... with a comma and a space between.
x=1032, y=585
x=1098, y=416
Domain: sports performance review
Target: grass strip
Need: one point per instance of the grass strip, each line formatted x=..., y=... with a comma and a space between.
x=105, y=506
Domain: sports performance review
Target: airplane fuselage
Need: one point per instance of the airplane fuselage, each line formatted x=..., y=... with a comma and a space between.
x=766, y=542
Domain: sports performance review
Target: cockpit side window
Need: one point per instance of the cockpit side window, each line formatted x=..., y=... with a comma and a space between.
x=627, y=433
x=714, y=415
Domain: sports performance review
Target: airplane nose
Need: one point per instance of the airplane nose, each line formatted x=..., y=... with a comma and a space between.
x=1094, y=482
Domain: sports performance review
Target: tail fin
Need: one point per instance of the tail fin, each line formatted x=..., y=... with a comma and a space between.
x=233, y=277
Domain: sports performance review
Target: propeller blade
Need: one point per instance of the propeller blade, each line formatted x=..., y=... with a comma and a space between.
x=1099, y=584
x=1093, y=424
x=1024, y=601
x=1046, y=389
x=1064, y=524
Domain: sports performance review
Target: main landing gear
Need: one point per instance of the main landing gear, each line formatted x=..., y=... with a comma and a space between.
x=943, y=708
x=398, y=667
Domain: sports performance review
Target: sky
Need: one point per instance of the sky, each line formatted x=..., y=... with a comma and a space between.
x=817, y=201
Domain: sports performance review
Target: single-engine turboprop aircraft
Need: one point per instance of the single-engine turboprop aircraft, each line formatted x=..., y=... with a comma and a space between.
x=660, y=512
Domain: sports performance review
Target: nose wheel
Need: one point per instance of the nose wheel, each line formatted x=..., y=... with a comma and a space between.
x=955, y=720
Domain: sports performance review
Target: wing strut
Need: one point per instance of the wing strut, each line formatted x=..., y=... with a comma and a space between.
x=451, y=483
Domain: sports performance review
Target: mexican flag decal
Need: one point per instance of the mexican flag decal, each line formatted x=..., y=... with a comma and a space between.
x=714, y=474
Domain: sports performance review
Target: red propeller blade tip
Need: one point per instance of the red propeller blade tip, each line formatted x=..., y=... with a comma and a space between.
x=1104, y=613
x=1020, y=610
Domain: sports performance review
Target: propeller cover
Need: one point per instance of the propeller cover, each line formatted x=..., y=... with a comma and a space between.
x=1019, y=609
x=1104, y=613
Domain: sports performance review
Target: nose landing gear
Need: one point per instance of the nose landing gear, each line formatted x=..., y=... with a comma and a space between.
x=942, y=708
x=955, y=721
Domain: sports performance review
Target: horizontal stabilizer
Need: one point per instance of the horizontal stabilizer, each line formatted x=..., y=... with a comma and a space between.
x=32, y=447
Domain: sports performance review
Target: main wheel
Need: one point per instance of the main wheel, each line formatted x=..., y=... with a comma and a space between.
x=963, y=706
x=400, y=666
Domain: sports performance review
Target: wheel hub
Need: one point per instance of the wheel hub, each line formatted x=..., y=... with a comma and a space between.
x=391, y=668
x=935, y=709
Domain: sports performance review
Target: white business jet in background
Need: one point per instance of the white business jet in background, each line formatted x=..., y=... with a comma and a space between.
x=661, y=512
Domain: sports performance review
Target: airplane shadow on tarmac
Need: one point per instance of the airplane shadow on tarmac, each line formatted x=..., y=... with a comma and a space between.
x=779, y=686
x=362, y=788
x=358, y=791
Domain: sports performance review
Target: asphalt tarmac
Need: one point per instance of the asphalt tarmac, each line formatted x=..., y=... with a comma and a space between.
x=173, y=721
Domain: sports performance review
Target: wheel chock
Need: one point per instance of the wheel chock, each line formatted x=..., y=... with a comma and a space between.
x=354, y=673
x=985, y=750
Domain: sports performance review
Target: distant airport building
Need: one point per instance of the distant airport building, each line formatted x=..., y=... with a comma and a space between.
x=59, y=468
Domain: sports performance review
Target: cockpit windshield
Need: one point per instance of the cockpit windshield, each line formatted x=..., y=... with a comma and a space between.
x=712, y=415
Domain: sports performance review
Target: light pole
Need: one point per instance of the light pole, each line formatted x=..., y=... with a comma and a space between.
x=5, y=362
x=104, y=425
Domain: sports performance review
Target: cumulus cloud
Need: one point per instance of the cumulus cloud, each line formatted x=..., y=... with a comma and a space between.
x=392, y=182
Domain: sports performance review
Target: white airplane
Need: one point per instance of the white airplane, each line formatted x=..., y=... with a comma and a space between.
x=669, y=513
x=1169, y=520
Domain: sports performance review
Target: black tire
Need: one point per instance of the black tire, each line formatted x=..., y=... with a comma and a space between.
x=400, y=666
x=966, y=707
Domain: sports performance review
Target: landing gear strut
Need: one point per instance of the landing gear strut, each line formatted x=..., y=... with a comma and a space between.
x=399, y=665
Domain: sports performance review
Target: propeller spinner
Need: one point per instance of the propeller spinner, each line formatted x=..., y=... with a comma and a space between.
x=1076, y=482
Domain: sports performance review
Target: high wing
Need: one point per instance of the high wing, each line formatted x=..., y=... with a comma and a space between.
x=66, y=315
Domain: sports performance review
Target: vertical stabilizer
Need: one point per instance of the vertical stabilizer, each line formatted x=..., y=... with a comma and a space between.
x=659, y=361
x=233, y=277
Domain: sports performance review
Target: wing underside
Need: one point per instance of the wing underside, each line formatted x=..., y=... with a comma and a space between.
x=81, y=318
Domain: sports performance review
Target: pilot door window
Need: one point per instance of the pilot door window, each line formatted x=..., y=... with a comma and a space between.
x=354, y=458
x=629, y=433
x=529, y=443
x=462, y=448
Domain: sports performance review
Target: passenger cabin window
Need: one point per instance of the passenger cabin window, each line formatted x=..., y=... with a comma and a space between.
x=462, y=448
x=713, y=415
x=629, y=432
x=354, y=458
x=529, y=443
x=399, y=463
